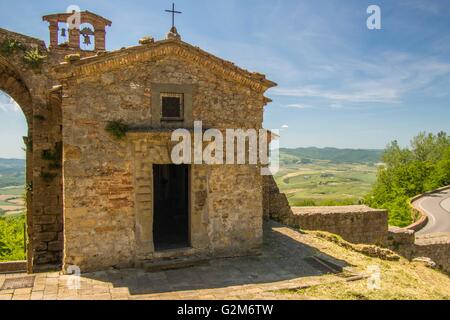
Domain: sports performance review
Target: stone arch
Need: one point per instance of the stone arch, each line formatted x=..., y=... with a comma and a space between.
x=12, y=83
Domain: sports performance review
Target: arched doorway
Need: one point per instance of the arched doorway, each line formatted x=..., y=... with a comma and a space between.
x=13, y=194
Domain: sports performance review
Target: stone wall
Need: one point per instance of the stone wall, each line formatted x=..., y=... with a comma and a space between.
x=276, y=205
x=436, y=247
x=108, y=182
x=221, y=197
x=357, y=224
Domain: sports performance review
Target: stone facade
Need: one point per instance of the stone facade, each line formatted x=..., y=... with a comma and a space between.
x=91, y=203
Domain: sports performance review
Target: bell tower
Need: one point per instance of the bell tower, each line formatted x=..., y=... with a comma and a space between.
x=62, y=25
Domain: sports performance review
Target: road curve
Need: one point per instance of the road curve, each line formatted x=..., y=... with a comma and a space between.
x=437, y=207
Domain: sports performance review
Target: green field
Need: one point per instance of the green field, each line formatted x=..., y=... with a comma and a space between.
x=325, y=183
x=11, y=201
x=12, y=190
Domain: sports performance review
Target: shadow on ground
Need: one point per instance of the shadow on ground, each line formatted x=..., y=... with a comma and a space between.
x=284, y=257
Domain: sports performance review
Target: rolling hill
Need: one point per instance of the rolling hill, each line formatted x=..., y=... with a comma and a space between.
x=12, y=172
x=333, y=155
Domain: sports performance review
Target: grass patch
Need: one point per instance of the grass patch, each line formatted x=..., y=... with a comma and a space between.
x=12, y=190
x=399, y=279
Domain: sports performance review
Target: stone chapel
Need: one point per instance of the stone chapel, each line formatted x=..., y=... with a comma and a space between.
x=102, y=190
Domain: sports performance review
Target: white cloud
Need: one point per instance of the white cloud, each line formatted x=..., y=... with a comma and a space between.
x=366, y=82
x=284, y=126
x=299, y=106
x=362, y=95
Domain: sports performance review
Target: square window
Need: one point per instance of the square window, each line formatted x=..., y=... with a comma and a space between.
x=172, y=106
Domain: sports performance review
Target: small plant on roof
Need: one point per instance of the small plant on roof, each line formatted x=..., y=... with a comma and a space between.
x=117, y=129
x=9, y=46
x=34, y=58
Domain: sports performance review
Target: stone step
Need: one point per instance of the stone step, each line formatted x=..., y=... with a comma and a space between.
x=172, y=264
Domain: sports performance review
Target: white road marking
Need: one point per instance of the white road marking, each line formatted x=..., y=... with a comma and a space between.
x=445, y=204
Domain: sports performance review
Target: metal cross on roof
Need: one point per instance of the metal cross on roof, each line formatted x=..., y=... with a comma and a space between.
x=173, y=14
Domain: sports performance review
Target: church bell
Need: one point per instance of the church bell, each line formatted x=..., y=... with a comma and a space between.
x=87, y=39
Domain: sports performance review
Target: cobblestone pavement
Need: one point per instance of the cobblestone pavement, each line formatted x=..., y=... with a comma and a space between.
x=282, y=265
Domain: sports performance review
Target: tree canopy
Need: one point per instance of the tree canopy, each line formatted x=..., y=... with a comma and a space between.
x=407, y=172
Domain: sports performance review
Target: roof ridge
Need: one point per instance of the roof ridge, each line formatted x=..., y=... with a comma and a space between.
x=88, y=62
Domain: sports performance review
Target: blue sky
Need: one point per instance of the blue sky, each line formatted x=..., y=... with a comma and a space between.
x=339, y=83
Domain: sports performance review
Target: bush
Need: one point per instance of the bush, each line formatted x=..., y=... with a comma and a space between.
x=12, y=238
x=304, y=203
x=117, y=129
x=9, y=46
x=34, y=58
x=408, y=172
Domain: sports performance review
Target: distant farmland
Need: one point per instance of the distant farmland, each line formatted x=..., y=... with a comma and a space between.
x=333, y=177
x=12, y=183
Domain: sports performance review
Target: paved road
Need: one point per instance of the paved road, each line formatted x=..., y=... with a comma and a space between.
x=437, y=207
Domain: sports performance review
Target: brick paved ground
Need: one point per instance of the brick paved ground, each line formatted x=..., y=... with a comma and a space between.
x=281, y=266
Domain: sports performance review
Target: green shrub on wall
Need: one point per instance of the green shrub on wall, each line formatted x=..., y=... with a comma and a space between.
x=9, y=46
x=117, y=129
x=34, y=58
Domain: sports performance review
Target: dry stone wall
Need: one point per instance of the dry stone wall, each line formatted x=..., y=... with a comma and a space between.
x=357, y=224
x=436, y=247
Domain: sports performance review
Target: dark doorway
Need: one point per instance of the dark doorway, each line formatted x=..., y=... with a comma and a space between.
x=171, y=207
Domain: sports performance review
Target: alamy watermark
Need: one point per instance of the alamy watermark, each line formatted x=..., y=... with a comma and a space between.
x=74, y=20
x=374, y=279
x=374, y=20
x=73, y=278
x=236, y=146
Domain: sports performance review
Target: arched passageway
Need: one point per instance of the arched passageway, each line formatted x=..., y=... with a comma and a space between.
x=13, y=145
x=15, y=90
x=43, y=176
